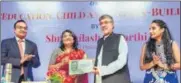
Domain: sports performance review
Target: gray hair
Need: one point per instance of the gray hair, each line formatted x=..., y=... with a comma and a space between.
x=106, y=16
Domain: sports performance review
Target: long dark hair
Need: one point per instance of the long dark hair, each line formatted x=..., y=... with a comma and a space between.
x=166, y=38
x=75, y=44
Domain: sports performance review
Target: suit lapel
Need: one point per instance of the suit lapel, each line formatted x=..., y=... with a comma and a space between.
x=26, y=47
x=15, y=45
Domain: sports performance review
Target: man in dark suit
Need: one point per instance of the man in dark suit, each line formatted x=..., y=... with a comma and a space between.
x=111, y=55
x=21, y=53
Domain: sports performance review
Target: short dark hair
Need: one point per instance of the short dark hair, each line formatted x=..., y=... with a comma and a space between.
x=18, y=22
x=75, y=44
x=106, y=16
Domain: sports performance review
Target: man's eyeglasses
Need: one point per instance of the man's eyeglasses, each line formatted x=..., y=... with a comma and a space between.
x=105, y=22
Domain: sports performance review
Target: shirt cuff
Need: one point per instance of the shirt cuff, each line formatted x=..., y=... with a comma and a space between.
x=102, y=70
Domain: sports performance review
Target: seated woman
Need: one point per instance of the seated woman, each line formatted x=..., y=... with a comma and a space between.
x=59, y=62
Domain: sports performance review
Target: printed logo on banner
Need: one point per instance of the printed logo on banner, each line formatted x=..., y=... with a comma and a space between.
x=92, y=3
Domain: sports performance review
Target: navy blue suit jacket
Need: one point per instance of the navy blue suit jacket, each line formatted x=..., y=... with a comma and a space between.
x=10, y=54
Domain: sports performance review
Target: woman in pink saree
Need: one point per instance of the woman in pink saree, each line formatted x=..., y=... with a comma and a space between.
x=59, y=62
